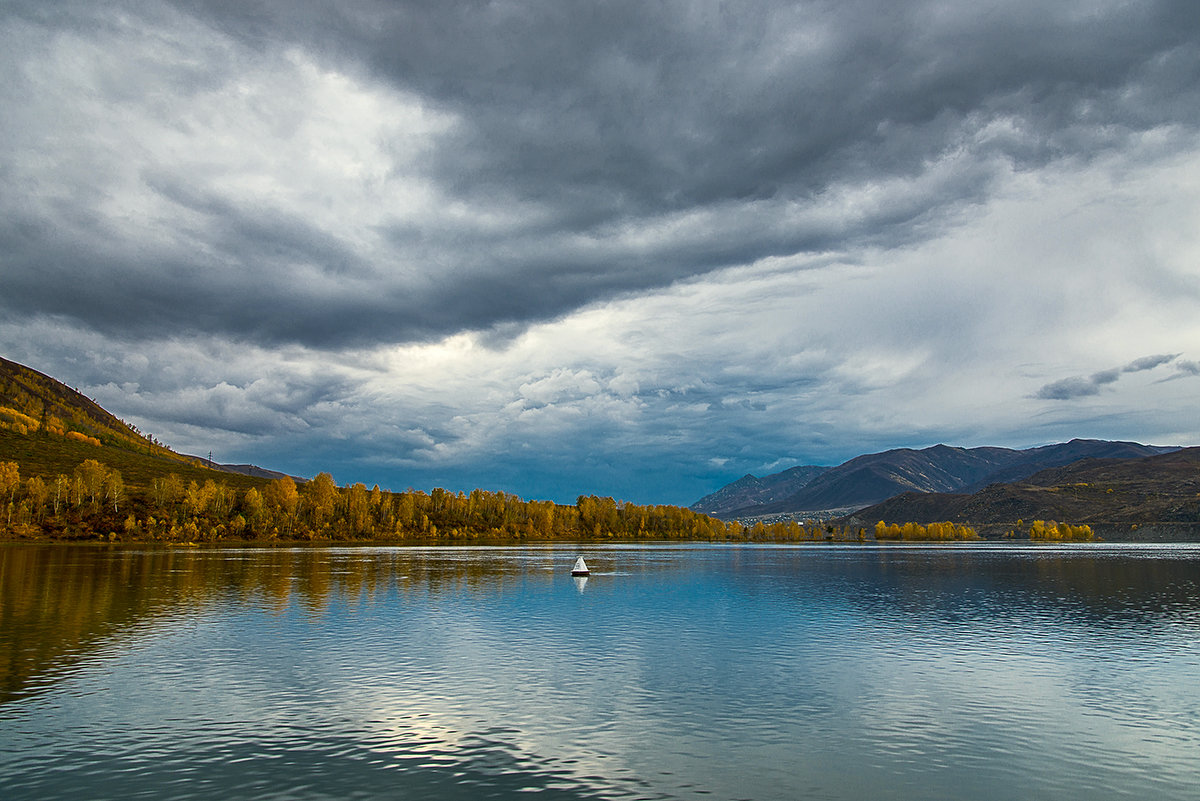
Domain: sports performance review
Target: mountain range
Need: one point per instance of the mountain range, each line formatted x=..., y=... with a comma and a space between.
x=1153, y=497
x=876, y=477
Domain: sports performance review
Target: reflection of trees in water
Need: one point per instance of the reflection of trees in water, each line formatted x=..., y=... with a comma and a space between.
x=1117, y=589
x=58, y=602
x=1094, y=586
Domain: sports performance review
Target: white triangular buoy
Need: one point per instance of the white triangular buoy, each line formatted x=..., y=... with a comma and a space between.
x=580, y=568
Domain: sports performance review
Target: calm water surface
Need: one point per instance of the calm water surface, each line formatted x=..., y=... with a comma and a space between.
x=772, y=672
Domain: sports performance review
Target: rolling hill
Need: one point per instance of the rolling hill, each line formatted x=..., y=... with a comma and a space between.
x=1153, y=497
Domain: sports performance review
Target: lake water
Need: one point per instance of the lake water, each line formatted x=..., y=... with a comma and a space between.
x=727, y=672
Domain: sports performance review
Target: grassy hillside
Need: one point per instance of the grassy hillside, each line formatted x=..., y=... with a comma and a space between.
x=48, y=429
x=32, y=403
x=48, y=455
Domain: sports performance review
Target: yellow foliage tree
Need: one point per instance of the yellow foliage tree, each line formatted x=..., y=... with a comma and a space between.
x=321, y=494
x=89, y=479
x=10, y=479
x=281, y=494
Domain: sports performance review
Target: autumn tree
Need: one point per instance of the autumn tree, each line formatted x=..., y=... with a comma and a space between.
x=10, y=479
x=358, y=508
x=62, y=492
x=89, y=477
x=220, y=504
x=114, y=489
x=282, y=497
x=321, y=494
x=1060, y=532
x=197, y=497
x=38, y=492
x=252, y=507
x=166, y=491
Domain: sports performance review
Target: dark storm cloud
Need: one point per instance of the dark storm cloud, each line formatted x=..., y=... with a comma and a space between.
x=618, y=247
x=676, y=112
x=637, y=144
x=632, y=107
x=1080, y=387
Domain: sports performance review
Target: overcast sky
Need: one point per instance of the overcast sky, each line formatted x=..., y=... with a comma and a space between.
x=627, y=248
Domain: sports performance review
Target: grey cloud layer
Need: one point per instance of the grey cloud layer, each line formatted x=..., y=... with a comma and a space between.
x=589, y=151
x=629, y=248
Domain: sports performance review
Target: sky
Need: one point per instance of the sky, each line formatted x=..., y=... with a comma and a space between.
x=617, y=248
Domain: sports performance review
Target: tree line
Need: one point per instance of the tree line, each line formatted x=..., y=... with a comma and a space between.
x=930, y=532
x=94, y=502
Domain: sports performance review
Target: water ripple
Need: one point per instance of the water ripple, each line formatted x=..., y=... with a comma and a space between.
x=679, y=672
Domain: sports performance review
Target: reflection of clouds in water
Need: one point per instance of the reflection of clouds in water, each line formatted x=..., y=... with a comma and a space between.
x=447, y=692
x=1022, y=669
x=515, y=693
